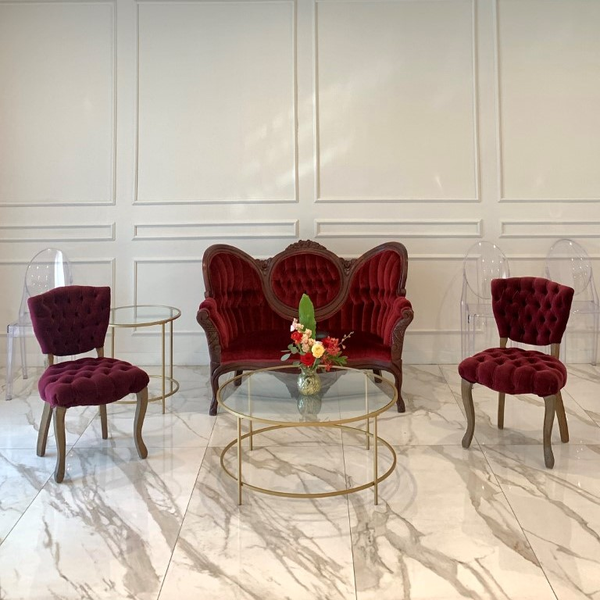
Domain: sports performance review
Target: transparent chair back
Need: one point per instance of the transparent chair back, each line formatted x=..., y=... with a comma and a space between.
x=483, y=262
x=48, y=269
x=567, y=262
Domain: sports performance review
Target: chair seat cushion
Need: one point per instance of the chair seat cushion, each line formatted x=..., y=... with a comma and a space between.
x=90, y=382
x=515, y=371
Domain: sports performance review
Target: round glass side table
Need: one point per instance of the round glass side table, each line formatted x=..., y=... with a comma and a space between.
x=270, y=397
x=150, y=315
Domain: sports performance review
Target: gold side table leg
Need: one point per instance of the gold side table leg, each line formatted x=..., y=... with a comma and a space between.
x=375, y=465
x=112, y=342
x=163, y=368
x=368, y=433
x=171, y=351
x=251, y=437
x=239, y=457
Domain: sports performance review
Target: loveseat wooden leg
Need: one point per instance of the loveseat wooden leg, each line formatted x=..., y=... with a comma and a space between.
x=214, y=386
x=400, y=401
x=238, y=380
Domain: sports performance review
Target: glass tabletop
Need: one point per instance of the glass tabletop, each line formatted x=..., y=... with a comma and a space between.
x=271, y=396
x=142, y=314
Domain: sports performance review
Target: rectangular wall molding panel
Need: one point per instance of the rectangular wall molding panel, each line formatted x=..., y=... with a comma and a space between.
x=550, y=229
x=218, y=230
x=396, y=101
x=548, y=121
x=216, y=102
x=397, y=229
x=57, y=233
x=57, y=117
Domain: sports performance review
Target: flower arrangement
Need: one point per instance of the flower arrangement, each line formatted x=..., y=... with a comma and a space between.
x=312, y=353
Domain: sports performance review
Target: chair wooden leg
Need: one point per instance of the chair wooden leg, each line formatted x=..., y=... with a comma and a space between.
x=562, y=419
x=467, y=397
x=61, y=445
x=140, y=413
x=501, y=400
x=103, y=421
x=44, y=427
x=548, y=421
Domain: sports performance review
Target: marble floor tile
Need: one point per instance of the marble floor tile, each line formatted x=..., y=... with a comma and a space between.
x=268, y=548
x=20, y=423
x=108, y=533
x=443, y=530
x=559, y=512
x=432, y=415
x=22, y=476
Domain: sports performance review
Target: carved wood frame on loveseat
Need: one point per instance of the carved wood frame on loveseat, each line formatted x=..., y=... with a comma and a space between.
x=250, y=303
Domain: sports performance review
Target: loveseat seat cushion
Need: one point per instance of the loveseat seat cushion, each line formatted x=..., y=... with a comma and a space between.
x=263, y=346
x=269, y=346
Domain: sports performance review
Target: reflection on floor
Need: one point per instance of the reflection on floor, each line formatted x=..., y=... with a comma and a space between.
x=489, y=522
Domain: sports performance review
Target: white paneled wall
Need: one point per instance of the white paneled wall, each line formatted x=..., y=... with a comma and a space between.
x=135, y=134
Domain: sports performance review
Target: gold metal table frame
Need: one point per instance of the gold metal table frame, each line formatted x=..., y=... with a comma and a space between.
x=150, y=315
x=371, y=438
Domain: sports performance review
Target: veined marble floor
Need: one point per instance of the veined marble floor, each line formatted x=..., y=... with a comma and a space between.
x=489, y=522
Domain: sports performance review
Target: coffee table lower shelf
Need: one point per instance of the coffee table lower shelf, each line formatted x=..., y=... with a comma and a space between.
x=372, y=439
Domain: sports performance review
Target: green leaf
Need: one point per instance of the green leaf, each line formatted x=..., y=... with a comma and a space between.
x=306, y=314
x=286, y=356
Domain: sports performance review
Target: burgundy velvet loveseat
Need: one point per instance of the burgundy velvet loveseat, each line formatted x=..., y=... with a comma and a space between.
x=250, y=303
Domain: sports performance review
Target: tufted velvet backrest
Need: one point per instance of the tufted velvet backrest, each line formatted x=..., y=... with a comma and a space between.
x=70, y=320
x=376, y=282
x=532, y=310
x=317, y=274
x=233, y=280
x=263, y=295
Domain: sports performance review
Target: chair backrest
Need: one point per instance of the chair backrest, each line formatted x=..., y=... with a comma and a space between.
x=70, y=320
x=568, y=263
x=47, y=270
x=483, y=262
x=531, y=310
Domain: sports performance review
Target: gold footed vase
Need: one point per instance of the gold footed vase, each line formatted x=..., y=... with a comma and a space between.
x=309, y=383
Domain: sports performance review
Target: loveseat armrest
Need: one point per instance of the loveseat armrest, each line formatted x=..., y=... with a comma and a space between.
x=398, y=319
x=215, y=327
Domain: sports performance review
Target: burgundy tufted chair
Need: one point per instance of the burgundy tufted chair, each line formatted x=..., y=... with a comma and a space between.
x=73, y=320
x=534, y=311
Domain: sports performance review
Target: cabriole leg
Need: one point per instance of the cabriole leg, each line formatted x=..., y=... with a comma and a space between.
x=138, y=423
x=467, y=398
x=562, y=419
x=61, y=445
x=548, y=421
x=214, y=385
x=44, y=427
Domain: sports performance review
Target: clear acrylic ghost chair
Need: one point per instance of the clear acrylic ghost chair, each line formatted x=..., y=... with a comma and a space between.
x=47, y=270
x=568, y=263
x=483, y=262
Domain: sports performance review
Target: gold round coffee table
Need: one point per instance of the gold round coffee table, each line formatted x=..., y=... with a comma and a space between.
x=150, y=315
x=270, y=397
